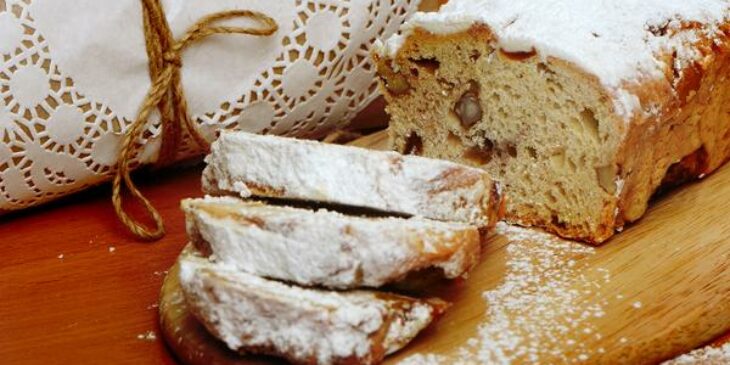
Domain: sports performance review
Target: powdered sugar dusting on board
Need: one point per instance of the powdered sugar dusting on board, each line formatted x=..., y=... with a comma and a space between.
x=539, y=312
x=423, y=359
x=704, y=356
x=618, y=42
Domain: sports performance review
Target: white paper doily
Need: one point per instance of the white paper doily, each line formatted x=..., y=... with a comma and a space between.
x=74, y=73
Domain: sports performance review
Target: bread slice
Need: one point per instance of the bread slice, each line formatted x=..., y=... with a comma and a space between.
x=324, y=248
x=265, y=166
x=305, y=326
x=581, y=109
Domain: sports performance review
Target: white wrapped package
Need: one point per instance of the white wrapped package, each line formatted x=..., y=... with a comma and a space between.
x=74, y=75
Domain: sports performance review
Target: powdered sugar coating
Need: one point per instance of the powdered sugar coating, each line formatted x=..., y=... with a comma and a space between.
x=327, y=248
x=308, y=170
x=620, y=42
x=248, y=313
x=267, y=306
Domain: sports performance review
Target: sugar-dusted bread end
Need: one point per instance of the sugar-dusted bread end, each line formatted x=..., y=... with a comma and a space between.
x=579, y=138
x=246, y=164
x=306, y=326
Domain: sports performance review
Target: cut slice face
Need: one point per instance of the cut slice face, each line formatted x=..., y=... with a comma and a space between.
x=305, y=326
x=569, y=154
x=265, y=166
x=325, y=248
x=531, y=124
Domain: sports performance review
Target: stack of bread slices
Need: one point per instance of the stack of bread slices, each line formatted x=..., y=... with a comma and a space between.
x=289, y=247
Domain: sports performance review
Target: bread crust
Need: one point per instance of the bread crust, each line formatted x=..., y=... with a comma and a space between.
x=694, y=124
x=681, y=133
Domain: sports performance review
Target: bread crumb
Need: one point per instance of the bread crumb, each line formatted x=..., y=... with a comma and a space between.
x=147, y=336
x=623, y=340
x=421, y=359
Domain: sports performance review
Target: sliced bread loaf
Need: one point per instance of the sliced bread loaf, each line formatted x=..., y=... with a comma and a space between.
x=324, y=248
x=265, y=166
x=582, y=109
x=305, y=326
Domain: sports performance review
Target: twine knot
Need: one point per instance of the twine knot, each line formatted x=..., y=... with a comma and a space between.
x=167, y=96
x=172, y=58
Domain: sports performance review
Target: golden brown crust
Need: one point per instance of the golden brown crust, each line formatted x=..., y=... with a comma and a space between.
x=496, y=207
x=454, y=179
x=695, y=117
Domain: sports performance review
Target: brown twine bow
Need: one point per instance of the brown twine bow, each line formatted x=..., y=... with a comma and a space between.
x=166, y=94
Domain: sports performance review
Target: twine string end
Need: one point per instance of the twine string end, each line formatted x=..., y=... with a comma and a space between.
x=166, y=95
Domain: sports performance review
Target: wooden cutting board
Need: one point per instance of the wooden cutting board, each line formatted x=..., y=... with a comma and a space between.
x=657, y=290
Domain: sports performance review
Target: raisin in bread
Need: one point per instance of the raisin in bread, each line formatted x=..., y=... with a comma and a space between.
x=582, y=109
x=306, y=326
x=325, y=248
x=247, y=164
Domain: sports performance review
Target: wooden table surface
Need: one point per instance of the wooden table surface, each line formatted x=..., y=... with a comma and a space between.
x=75, y=287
